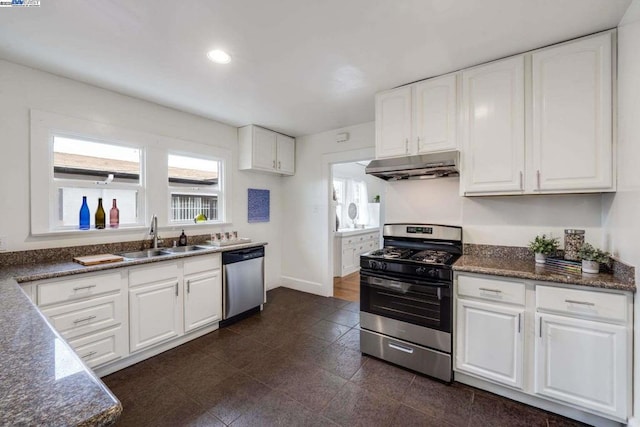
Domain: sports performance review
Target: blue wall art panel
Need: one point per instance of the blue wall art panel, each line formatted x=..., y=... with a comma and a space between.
x=258, y=206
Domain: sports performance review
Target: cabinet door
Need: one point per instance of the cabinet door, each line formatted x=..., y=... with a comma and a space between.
x=286, y=154
x=202, y=299
x=393, y=122
x=434, y=114
x=155, y=313
x=264, y=149
x=490, y=341
x=572, y=114
x=493, y=130
x=350, y=259
x=582, y=362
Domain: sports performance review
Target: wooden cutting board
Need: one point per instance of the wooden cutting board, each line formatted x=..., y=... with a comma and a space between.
x=98, y=259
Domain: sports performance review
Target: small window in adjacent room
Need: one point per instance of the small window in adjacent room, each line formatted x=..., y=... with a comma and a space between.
x=82, y=167
x=195, y=188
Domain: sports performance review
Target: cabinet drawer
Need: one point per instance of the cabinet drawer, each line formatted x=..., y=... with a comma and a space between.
x=102, y=347
x=83, y=317
x=491, y=289
x=153, y=273
x=71, y=289
x=201, y=263
x=582, y=303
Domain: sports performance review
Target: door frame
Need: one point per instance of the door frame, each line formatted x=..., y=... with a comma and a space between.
x=328, y=160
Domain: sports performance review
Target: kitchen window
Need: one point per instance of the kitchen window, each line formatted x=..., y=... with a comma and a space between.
x=82, y=167
x=194, y=188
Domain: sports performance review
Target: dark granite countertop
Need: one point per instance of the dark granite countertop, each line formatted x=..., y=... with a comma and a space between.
x=42, y=380
x=525, y=269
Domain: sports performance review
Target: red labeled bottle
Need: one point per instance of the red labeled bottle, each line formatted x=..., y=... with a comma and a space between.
x=114, y=215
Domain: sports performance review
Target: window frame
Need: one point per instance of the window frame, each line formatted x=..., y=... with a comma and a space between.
x=56, y=184
x=188, y=190
x=154, y=197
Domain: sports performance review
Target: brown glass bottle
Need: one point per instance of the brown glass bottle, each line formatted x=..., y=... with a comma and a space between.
x=100, y=216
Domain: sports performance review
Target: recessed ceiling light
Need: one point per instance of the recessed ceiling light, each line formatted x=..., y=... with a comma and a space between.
x=219, y=56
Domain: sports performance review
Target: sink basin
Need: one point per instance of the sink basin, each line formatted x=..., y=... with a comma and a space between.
x=183, y=249
x=150, y=253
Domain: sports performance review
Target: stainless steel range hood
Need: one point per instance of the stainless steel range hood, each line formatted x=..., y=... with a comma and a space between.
x=424, y=166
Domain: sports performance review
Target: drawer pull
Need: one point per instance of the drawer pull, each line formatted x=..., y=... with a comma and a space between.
x=571, y=301
x=401, y=348
x=497, y=291
x=540, y=328
x=79, y=288
x=176, y=289
x=86, y=319
x=88, y=355
x=518, y=322
x=188, y=286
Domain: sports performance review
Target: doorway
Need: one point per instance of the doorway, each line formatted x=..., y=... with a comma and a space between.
x=356, y=203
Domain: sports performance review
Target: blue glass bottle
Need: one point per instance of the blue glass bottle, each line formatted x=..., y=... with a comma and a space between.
x=85, y=215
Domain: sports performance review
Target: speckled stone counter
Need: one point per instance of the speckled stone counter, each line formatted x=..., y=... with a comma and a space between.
x=42, y=380
x=526, y=269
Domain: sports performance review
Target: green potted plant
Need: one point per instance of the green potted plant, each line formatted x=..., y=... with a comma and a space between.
x=592, y=258
x=542, y=246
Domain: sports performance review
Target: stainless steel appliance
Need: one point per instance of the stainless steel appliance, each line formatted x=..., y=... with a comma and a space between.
x=406, y=304
x=433, y=165
x=242, y=282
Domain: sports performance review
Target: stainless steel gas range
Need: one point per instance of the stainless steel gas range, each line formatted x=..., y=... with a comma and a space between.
x=406, y=304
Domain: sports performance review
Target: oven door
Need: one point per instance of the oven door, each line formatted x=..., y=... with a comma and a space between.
x=414, y=301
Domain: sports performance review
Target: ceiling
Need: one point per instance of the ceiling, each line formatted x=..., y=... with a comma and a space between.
x=299, y=66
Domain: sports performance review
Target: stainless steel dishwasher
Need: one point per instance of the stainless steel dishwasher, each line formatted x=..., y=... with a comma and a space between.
x=242, y=283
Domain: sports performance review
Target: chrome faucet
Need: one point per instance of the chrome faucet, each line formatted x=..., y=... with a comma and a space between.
x=153, y=230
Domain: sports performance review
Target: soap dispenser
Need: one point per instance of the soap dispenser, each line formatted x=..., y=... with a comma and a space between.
x=182, y=240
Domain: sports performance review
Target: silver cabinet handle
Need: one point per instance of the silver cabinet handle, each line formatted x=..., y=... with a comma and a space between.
x=540, y=328
x=79, y=288
x=279, y=164
x=188, y=286
x=406, y=145
x=418, y=141
x=86, y=319
x=274, y=164
x=88, y=355
x=176, y=289
x=518, y=322
x=570, y=301
x=521, y=180
x=497, y=291
x=401, y=348
x=538, y=178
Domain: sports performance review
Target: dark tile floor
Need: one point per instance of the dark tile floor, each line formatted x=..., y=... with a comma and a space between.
x=298, y=363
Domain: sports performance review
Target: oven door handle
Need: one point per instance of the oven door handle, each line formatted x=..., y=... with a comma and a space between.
x=395, y=281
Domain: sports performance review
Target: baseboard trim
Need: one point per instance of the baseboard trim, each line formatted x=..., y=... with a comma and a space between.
x=303, y=286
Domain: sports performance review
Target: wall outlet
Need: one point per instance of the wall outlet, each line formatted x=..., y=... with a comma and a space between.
x=3, y=243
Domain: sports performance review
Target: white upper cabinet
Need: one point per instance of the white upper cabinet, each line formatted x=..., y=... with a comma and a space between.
x=572, y=116
x=434, y=114
x=493, y=127
x=286, y=154
x=393, y=122
x=264, y=150
x=417, y=119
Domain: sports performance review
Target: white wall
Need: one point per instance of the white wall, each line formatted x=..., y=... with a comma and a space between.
x=305, y=256
x=23, y=88
x=622, y=210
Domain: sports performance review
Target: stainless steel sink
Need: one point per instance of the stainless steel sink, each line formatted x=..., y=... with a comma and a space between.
x=183, y=249
x=149, y=253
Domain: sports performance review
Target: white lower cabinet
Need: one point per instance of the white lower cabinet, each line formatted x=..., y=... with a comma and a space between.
x=202, y=299
x=563, y=348
x=155, y=313
x=348, y=248
x=582, y=362
x=490, y=341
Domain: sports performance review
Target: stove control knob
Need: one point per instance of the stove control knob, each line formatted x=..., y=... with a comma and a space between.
x=421, y=270
x=373, y=265
x=383, y=266
x=433, y=273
